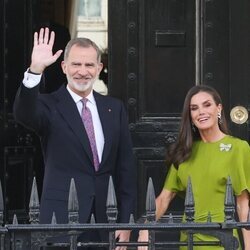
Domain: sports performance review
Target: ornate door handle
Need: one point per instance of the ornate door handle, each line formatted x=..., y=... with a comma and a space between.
x=239, y=114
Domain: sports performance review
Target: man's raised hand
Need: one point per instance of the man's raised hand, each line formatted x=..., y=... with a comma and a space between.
x=42, y=54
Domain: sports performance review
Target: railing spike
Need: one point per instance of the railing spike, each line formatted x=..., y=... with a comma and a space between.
x=73, y=206
x=170, y=218
x=209, y=217
x=150, y=201
x=34, y=206
x=53, y=219
x=92, y=219
x=131, y=219
x=189, y=202
x=229, y=209
x=111, y=200
x=15, y=221
x=111, y=203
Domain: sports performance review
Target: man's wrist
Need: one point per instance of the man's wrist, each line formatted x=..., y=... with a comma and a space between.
x=31, y=72
x=31, y=80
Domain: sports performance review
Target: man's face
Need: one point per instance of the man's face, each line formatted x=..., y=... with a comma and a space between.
x=82, y=69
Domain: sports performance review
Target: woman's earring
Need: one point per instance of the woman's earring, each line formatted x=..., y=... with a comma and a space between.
x=193, y=127
x=219, y=118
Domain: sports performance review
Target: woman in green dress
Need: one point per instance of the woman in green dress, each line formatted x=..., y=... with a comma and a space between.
x=205, y=152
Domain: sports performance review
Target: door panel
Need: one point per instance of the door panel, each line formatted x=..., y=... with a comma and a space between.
x=239, y=73
x=167, y=48
x=159, y=69
x=156, y=60
x=16, y=155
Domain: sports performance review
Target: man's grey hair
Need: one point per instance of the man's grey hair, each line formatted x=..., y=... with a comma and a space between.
x=82, y=42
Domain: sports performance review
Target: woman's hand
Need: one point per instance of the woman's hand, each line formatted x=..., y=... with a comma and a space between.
x=143, y=237
x=243, y=212
x=122, y=236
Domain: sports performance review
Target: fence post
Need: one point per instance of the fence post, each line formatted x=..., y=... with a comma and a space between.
x=112, y=211
x=73, y=210
x=229, y=202
x=53, y=219
x=34, y=206
x=34, y=212
x=150, y=212
x=229, y=241
x=189, y=211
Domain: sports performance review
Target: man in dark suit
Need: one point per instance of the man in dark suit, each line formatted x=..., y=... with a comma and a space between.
x=66, y=145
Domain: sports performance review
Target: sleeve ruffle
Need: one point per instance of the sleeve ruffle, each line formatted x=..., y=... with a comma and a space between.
x=172, y=181
x=240, y=172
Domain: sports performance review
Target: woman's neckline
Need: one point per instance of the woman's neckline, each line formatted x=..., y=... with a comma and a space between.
x=214, y=142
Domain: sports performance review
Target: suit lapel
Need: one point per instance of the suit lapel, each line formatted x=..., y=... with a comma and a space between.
x=68, y=110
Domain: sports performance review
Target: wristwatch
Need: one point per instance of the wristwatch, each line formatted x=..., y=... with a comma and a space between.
x=30, y=72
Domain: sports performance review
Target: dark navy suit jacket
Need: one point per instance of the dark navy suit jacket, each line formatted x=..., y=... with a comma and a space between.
x=67, y=154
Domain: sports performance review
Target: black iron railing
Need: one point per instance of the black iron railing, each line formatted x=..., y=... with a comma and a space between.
x=34, y=236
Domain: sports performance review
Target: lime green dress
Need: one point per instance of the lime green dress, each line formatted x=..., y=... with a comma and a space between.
x=209, y=166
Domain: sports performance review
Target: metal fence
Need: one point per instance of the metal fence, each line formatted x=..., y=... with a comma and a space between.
x=36, y=236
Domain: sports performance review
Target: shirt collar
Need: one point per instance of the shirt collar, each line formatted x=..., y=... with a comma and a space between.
x=78, y=98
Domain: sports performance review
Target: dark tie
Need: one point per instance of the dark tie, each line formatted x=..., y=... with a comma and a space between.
x=88, y=124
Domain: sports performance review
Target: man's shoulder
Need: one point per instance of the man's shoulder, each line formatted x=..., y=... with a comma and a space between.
x=58, y=94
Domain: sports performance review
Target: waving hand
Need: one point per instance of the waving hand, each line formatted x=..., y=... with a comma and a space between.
x=42, y=55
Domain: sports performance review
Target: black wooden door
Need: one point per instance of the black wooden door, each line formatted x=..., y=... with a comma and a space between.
x=158, y=50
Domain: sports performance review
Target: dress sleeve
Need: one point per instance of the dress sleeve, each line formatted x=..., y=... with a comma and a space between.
x=240, y=169
x=172, y=181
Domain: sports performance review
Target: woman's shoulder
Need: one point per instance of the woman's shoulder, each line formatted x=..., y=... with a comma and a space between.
x=233, y=139
x=237, y=142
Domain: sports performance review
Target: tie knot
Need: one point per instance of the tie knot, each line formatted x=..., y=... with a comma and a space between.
x=84, y=101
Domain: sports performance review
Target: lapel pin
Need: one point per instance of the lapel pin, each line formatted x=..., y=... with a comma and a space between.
x=109, y=110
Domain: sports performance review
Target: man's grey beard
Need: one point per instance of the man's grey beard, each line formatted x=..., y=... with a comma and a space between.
x=82, y=87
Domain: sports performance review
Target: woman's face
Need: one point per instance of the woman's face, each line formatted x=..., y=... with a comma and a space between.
x=204, y=111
